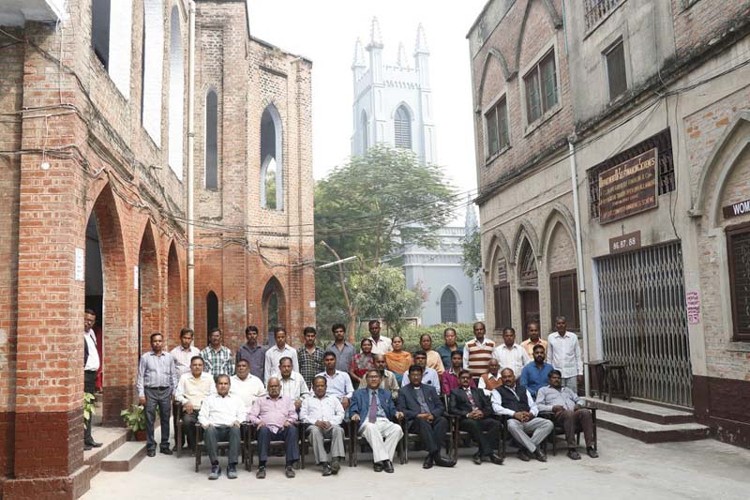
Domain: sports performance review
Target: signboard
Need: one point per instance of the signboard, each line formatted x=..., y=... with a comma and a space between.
x=693, y=303
x=625, y=243
x=741, y=208
x=628, y=188
x=80, y=265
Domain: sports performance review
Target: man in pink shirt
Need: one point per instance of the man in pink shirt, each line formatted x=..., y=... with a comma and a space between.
x=275, y=417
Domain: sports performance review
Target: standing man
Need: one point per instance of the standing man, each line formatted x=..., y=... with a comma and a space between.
x=254, y=354
x=509, y=354
x=532, y=330
x=564, y=353
x=338, y=383
x=343, y=350
x=429, y=376
x=374, y=408
x=310, y=356
x=536, y=375
x=292, y=384
x=387, y=377
x=184, y=353
x=324, y=414
x=91, y=365
x=245, y=385
x=192, y=389
x=276, y=419
x=434, y=360
x=478, y=352
x=278, y=351
x=157, y=380
x=449, y=347
x=221, y=416
x=217, y=358
x=380, y=344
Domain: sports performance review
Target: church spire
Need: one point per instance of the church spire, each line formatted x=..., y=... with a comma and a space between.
x=359, y=55
x=420, y=47
x=376, y=39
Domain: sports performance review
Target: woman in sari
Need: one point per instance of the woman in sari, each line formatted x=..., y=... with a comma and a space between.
x=398, y=361
x=361, y=362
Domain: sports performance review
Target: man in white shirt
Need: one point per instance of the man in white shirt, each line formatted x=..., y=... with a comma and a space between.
x=293, y=386
x=278, y=351
x=192, y=389
x=492, y=379
x=564, y=354
x=90, y=367
x=429, y=376
x=380, y=344
x=324, y=415
x=509, y=354
x=338, y=383
x=183, y=354
x=245, y=385
x=220, y=416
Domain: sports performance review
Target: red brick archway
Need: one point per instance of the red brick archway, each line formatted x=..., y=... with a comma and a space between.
x=148, y=287
x=175, y=318
x=274, y=308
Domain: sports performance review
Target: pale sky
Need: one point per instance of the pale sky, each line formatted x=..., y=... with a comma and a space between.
x=325, y=31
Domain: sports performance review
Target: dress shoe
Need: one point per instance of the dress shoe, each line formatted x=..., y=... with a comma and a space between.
x=87, y=447
x=592, y=452
x=477, y=458
x=289, y=471
x=232, y=471
x=539, y=455
x=327, y=471
x=388, y=466
x=151, y=453
x=428, y=462
x=165, y=451
x=93, y=444
x=335, y=466
x=215, y=472
x=573, y=454
x=524, y=455
x=443, y=461
x=496, y=459
x=261, y=474
x=377, y=466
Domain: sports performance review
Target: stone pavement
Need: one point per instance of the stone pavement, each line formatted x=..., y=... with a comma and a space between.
x=626, y=469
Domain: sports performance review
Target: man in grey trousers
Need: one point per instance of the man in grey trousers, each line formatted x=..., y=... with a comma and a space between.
x=324, y=415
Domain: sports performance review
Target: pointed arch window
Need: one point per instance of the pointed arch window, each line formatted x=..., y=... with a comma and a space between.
x=111, y=39
x=402, y=127
x=153, y=60
x=448, y=307
x=212, y=311
x=272, y=165
x=528, y=273
x=212, y=140
x=176, y=93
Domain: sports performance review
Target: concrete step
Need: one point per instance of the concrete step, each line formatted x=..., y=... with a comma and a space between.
x=125, y=458
x=650, y=432
x=111, y=439
x=645, y=411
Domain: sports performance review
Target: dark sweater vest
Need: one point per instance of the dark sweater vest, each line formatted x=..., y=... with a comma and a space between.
x=511, y=402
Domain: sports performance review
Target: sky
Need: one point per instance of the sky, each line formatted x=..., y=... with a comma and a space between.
x=325, y=31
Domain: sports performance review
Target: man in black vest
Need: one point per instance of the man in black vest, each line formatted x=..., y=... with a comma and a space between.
x=90, y=367
x=514, y=401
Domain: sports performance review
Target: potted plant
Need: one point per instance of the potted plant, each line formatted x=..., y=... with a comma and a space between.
x=135, y=420
x=88, y=406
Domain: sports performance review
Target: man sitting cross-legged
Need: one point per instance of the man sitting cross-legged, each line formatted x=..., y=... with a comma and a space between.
x=220, y=417
x=324, y=415
x=374, y=408
x=567, y=407
x=514, y=401
x=424, y=410
x=474, y=411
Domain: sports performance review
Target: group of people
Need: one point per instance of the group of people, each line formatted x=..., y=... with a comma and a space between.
x=275, y=388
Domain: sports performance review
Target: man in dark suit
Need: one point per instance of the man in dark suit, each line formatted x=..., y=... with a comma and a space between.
x=474, y=411
x=424, y=410
x=374, y=408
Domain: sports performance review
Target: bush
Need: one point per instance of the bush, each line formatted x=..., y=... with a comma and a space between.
x=411, y=334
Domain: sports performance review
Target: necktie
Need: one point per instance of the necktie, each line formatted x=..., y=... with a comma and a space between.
x=471, y=399
x=373, y=412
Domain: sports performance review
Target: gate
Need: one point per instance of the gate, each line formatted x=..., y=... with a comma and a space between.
x=644, y=324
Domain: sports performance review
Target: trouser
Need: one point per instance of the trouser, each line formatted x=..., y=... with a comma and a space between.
x=571, y=383
x=89, y=385
x=163, y=399
x=569, y=419
x=287, y=434
x=432, y=433
x=477, y=428
x=539, y=428
x=214, y=434
x=188, y=428
x=317, y=437
x=383, y=437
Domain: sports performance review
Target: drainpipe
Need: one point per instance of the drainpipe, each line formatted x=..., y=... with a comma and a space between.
x=190, y=171
x=579, y=256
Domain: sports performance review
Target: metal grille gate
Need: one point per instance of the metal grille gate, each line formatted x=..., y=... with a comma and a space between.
x=643, y=321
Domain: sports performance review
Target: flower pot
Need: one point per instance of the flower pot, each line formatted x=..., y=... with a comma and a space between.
x=140, y=435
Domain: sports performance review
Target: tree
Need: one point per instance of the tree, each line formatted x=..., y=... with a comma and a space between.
x=472, y=254
x=381, y=293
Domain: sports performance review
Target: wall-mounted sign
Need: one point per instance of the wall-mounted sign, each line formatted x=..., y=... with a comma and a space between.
x=80, y=265
x=136, y=278
x=625, y=243
x=693, y=305
x=737, y=209
x=628, y=188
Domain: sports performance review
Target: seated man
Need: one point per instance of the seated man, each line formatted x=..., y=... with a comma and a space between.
x=374, y=407
x=324, y=415
x=424, y=410
x=449, y=378
x=387, y=378
x=567, y=407
x=492, y=379
x=474, y=410
x=535, y=375
x=514, y=401
x=220, y=417
x=192, y=389
x=429, y=376
x=275, y=417
x=245, y=385
x=293, y=386
x=338, y=383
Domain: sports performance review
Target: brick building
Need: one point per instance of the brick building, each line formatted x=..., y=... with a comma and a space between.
x=627, y=120
x=93, y=170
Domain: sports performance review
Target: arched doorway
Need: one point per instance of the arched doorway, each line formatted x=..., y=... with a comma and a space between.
x=528, y=285
x=448, y=306
x=175, y=317
x=149, y=307
x=212, y=312
x=274, y=307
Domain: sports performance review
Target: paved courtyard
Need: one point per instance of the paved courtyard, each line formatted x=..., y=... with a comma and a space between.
x=626, y=469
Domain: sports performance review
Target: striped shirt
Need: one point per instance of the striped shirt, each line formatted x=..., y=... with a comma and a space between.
x=477, y=356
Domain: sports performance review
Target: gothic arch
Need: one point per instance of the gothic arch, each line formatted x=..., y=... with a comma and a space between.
x=552, y=16
x=508, y=74
x=274, y=306
x=449, y=301
x=271, y=145
x=558, y=214
x=175, y=316
x=498, y=248
x=175, y=124
x=152, y=68
x=405, y=105
x=527, y=231
x=149, y=286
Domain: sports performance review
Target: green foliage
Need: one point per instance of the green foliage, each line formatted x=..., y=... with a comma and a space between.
x=88, y=406
x=411, y=334
x=472, y=250
x=134, y=418
x=382, y=293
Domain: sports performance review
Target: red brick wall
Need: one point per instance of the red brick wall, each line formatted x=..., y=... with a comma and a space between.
x=704, y=21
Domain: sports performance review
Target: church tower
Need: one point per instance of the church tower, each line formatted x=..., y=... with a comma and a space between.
x=392, y=103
